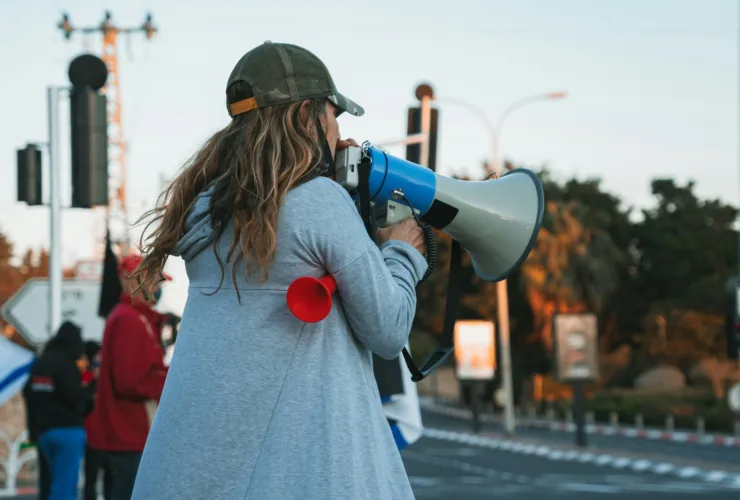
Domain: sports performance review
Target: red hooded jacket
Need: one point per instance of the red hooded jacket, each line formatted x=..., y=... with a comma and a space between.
x=132, y=375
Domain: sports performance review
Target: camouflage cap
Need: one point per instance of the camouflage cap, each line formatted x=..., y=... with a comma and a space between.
x=280, y=73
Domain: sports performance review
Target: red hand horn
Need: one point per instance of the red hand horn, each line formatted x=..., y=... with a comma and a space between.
x=309, y=298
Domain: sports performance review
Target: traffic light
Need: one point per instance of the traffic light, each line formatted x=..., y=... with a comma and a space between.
x=29, y=175
x=413, y=151
x=89, y=131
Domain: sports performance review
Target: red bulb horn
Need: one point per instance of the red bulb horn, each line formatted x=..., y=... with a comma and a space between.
x=309, y=298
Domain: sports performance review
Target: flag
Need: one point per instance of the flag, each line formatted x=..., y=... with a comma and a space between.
x=110, y=288
x=402, y=408
x=15, y=364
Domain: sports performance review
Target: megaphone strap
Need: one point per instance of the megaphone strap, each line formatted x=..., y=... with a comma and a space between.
x=363, y=189
x=447, y=341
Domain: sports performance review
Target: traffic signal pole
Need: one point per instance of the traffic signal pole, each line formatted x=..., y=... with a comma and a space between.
x=87, y=74
x=56, y=274
x=426, y=125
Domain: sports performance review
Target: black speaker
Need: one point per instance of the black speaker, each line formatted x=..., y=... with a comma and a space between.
x=89, y=130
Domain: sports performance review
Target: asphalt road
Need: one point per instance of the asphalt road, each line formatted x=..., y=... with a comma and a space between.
x=718, y=455
x=441, y=469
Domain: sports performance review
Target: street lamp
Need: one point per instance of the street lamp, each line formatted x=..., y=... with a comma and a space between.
x=502, y=296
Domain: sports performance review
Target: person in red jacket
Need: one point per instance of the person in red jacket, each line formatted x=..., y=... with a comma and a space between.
x=132, y=375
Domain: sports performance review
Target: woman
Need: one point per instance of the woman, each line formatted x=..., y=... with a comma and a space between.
x=258, y=405
x=56, y=401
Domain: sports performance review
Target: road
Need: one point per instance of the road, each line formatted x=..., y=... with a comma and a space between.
x=450, y=463
x=712, y=455
x=439, y=469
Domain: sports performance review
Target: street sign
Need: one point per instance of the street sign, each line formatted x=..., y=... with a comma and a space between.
x=575, y=350
x=475, y=352
x=28, y=309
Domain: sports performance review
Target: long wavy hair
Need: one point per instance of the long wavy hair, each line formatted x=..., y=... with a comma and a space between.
x=255, y=161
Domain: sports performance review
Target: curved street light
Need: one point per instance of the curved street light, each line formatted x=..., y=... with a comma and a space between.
x=502, y=296
x=494, y=130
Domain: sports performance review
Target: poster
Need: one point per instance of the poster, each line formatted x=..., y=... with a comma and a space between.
x=575, y=347
x=475, y=350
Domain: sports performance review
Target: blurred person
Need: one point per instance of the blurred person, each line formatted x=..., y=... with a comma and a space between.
x=293, y=409
x=44, y=474
x=94, y=458
x=131, y=377
x=56, y=401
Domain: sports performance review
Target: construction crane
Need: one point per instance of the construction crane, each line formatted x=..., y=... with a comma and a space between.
x=117, y=206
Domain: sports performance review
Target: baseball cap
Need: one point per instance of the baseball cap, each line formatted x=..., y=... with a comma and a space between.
x=129, y=263
x=281, y=73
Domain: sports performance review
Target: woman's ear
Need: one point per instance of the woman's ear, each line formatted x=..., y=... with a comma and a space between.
x=305, y=113
x=304, y=110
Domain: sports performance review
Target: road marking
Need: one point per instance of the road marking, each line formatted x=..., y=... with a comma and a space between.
x=590, y=488
x=551, y=482
x=718, y=477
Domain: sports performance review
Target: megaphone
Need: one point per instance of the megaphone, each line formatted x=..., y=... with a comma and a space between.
x=496, y=220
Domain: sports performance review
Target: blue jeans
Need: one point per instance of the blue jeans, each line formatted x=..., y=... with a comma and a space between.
x=63, y=449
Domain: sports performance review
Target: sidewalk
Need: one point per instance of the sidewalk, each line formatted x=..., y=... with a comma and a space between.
x=453, y=409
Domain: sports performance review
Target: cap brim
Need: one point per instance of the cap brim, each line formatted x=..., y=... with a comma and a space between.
x=346, y=104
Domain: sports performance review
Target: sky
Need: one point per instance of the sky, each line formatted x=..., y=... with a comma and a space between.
x=652, y=86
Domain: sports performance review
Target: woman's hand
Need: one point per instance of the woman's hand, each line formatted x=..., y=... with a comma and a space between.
x=345, y=143
x=408, y=231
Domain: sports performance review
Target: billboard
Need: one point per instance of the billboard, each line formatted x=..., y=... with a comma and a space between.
x=575, y=347
x=475, y=350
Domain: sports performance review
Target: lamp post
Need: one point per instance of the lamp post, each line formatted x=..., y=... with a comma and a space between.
x=502, y=296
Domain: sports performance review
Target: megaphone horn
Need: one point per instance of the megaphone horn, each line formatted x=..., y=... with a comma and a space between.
x=497, y=220
x=309, y=298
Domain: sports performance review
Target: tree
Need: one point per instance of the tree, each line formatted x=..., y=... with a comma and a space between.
x=572, y=268
x=9, y=277
x=687, y=249
x=12, y=277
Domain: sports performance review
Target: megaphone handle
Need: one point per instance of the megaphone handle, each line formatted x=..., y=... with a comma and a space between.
x=429, y=240
x=431, y=243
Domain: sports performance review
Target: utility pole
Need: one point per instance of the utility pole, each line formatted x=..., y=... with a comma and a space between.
x=117, y=205
x=56, y=273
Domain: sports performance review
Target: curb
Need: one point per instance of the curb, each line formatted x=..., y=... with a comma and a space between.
x=599, y=459
x=604, y=430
